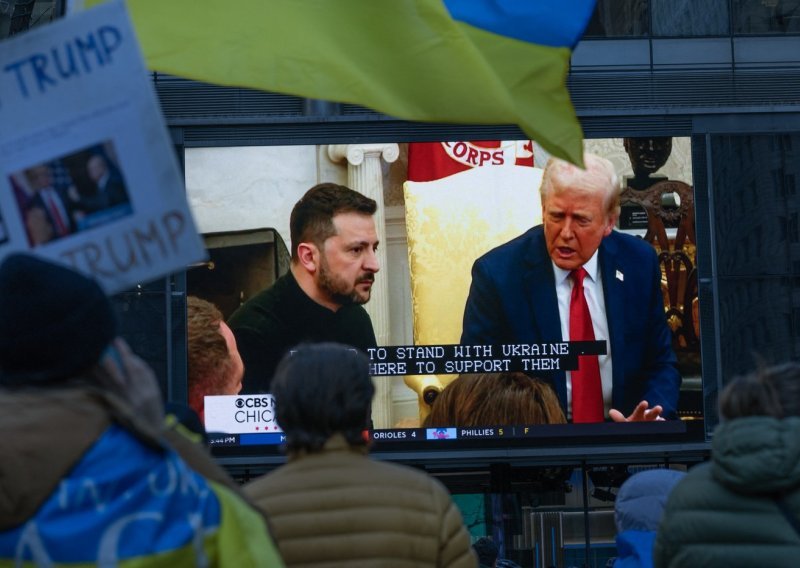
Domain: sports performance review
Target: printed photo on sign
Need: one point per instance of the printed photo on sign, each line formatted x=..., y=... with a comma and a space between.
x=70, y=193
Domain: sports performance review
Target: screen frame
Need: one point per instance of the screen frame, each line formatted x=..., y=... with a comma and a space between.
x=201, y=115
x=635, y=442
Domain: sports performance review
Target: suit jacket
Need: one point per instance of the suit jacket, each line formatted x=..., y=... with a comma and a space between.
x=114, y=192
x=512, y=299
x=110, y=193
x=69, y=223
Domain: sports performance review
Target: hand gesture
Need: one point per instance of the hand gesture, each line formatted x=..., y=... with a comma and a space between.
x=642, y=413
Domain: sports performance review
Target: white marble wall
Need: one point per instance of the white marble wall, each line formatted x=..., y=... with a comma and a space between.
x=250, y=187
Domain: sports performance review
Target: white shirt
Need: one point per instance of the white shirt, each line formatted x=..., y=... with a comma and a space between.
x=52, y=199
x=593, y=290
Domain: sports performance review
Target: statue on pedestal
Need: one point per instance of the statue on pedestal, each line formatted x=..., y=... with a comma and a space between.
x=664, y=210
x=647, y=155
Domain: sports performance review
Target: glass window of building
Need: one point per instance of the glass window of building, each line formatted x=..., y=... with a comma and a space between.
x=19, y=15
x=619, y=18
x=766, y=16
x=681, y=18
x=757, y=256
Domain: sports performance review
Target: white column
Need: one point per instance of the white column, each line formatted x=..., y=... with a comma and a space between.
x=365, y=175
x=405, y=401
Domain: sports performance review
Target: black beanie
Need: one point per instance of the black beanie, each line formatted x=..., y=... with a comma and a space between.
x=54, y=322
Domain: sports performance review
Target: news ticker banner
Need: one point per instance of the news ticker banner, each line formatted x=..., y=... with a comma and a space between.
x=270, y=437
x=526, y=432
x=456, y=359
x=255, y=414
x=231, y=416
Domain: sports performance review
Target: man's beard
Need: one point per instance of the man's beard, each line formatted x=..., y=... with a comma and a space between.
x=339, y=290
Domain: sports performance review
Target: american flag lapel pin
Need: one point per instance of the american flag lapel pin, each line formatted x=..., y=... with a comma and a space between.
x=620, y=276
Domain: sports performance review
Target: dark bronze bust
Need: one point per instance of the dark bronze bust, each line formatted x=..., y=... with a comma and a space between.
x=647, y=156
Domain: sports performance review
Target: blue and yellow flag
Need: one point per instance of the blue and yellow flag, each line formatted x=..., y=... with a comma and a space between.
x=126, y=505
x=451, y=61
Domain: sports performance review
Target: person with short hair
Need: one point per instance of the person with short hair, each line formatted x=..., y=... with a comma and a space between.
x=743, y=507
x=528, y=290
x=330, y=494
x=90, y=475
x=109, y=188
x=487, y=552
x=321, y=298
x=214, y=364
x=495, y=399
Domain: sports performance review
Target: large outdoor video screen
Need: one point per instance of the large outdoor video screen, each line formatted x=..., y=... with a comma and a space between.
x=451, y=362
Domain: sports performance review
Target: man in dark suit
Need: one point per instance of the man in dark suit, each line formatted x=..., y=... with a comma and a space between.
x=522, y=292
x=47, y=212
x=110, y=189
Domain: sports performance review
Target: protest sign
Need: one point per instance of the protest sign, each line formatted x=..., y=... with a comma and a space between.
x=88, y=172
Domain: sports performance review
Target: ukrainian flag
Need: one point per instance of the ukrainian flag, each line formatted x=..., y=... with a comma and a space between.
x=127, y=505
x=451, y=61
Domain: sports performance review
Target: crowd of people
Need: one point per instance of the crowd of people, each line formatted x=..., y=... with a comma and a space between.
x=93, y=472
x=741, y=508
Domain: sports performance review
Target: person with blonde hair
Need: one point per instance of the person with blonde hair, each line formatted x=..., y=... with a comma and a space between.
x=493, y=399
x=574, y=278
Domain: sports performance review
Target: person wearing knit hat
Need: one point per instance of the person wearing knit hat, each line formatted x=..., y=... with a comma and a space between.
x=54, y=322
x=84, y=450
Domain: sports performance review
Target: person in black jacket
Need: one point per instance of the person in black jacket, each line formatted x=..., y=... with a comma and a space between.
x=320, y=299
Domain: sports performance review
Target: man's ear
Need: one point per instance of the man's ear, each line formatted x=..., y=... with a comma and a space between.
x=308, y=255
x=612, y=222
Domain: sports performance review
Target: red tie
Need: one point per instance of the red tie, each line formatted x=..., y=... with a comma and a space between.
x=60, y=226
x=587, y=393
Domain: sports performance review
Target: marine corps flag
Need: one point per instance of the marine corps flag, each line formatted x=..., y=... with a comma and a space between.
x=446, y=61
x=428, y=161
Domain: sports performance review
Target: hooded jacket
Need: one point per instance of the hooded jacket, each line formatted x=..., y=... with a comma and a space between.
x=725, y=513
x=637, y=513
x=337, y=507
x=88, y=478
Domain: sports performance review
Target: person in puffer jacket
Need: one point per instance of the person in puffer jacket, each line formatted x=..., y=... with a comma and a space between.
x=637, y=512
x=331, y=505
x=743, y=507
x=89, y=474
